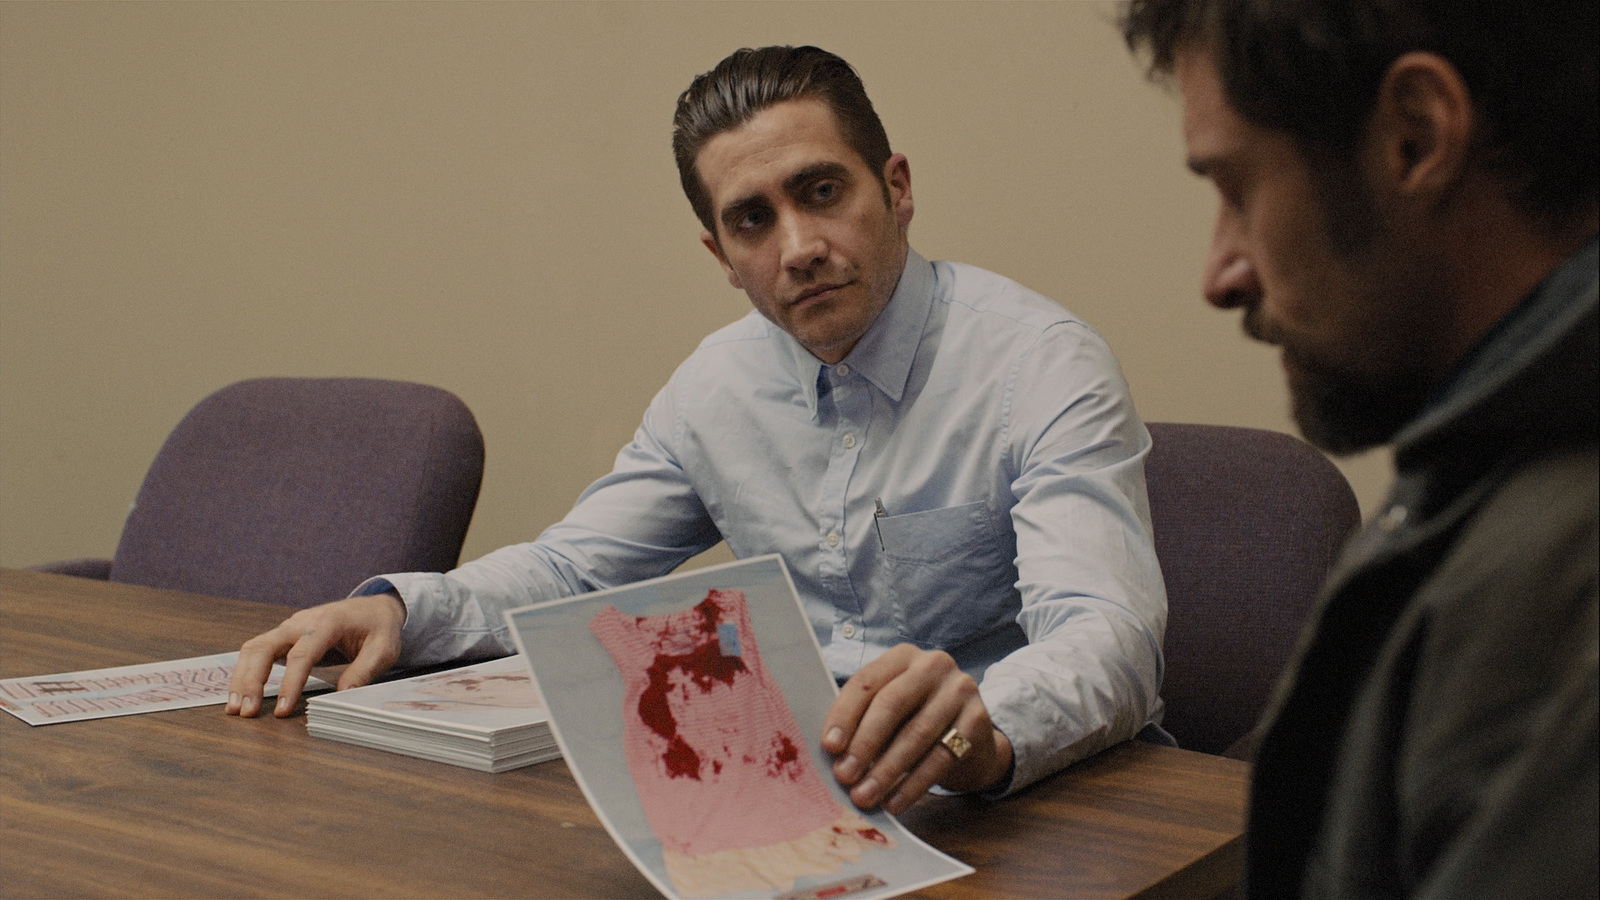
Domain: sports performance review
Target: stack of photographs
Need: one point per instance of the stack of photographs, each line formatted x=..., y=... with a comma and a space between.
x=484, y=716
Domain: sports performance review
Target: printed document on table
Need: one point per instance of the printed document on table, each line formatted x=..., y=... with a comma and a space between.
x=689, y=709
x=129, y=690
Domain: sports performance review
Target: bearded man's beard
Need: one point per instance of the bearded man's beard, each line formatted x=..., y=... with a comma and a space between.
x=1337, y=410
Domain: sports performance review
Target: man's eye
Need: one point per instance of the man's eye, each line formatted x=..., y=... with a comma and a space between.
x=1230, y=193
x=825, y=191
x=752, y=220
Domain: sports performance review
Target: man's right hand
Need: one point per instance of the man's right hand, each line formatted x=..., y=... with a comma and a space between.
x=363, y=631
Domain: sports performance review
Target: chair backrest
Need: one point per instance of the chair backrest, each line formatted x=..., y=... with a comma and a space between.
x=1247, y=523
x=294, y=490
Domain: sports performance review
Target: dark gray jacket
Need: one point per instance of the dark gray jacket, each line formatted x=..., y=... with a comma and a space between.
x=1438, y=737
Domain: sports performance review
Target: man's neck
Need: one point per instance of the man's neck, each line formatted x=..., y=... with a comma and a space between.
x=1495, y=256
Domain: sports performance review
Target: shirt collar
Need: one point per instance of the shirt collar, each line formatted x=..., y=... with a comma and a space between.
x=885, y=353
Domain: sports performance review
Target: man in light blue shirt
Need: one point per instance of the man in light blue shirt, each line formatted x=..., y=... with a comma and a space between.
x=949, y=463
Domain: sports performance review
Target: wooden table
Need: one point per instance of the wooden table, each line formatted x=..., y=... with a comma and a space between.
x=193, y=803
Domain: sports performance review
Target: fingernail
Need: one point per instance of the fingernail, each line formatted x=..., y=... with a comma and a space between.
x=834, y=739
x=895, y=805
x=233, y=701
x=848, y=769
x=247, y=706
x=283, y=705
x=866, y=792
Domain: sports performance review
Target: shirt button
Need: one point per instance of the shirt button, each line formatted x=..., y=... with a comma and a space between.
x=833, y=539
x=849, y=630
x=843, y=370
x=849, y=441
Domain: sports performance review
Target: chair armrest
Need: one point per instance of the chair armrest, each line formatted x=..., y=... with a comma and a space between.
x=98, y=569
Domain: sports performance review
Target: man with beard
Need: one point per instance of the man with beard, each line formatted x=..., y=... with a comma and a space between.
x=1408, y=209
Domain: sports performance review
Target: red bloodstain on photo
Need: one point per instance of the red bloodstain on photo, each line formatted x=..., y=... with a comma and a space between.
x=705, y=667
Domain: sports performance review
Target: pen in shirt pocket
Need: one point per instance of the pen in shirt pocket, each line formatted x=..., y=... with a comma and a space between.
x=877, y=515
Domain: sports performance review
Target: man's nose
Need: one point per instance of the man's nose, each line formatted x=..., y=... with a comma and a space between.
x=1230, y=277
x=803, y=244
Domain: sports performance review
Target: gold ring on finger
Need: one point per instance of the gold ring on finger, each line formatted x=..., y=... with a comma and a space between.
x=955, y=743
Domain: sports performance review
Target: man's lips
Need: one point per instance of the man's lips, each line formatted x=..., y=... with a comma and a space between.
x=813, y=293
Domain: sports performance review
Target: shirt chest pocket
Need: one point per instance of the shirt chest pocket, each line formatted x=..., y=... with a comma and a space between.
x=950, y=575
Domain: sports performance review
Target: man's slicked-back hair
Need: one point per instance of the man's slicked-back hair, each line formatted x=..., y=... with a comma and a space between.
x=1312, y=68
x=751, y=80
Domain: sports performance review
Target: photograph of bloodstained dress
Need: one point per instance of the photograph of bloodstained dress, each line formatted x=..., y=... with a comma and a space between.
x=689, y=709
x=707, y=732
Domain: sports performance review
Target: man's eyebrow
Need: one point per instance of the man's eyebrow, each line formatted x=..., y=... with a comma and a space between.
x=793, y=184
x=813, y=172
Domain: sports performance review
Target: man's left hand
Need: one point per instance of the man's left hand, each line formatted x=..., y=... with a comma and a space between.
x=886, y=727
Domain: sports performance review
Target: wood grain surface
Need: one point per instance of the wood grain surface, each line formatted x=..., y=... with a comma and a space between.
x=192, y=803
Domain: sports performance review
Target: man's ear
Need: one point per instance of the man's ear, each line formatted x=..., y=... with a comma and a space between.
x=897, y=177
x=710, y=241
x=1422, y=125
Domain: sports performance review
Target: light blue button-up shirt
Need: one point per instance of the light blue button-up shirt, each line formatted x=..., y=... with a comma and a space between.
x=997, y=433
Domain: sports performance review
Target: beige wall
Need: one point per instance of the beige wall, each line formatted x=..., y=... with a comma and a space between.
x=482, y=197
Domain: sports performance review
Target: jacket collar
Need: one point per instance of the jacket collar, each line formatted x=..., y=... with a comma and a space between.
x=1528, y=387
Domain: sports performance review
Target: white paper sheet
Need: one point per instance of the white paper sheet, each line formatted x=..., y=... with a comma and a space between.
x=129, y=690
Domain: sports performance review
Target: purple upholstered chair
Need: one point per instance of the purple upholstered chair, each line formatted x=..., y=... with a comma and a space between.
x=1247, y=523
x=294, y=490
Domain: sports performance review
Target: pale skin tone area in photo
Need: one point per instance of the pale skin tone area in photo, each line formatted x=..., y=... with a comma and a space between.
x=805, y=230
x=1451, y=254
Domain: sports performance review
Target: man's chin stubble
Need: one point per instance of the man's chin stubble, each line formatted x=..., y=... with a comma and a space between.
x=1339, y=412
x=1343, y=414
